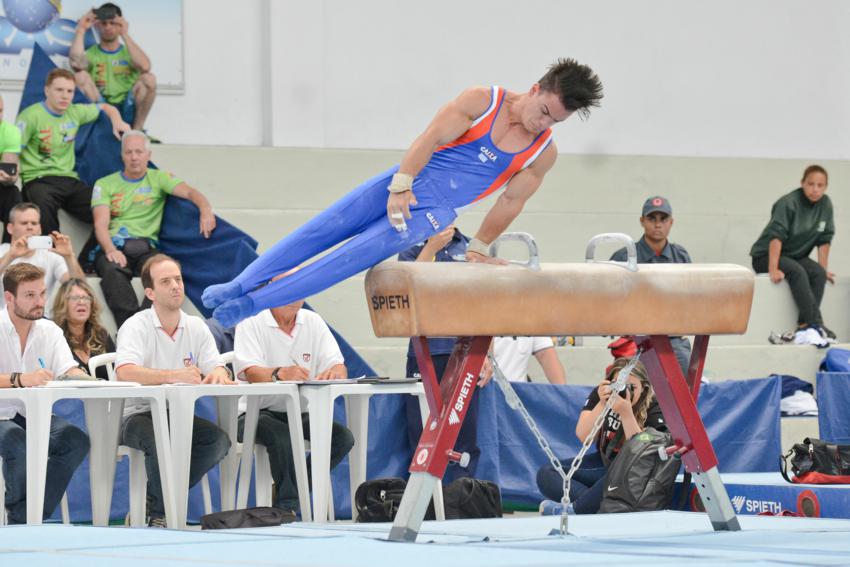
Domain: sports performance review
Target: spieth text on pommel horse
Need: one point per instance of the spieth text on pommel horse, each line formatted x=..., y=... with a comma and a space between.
x=390, y=302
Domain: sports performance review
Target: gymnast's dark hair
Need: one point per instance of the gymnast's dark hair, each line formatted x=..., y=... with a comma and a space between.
x=578, y=87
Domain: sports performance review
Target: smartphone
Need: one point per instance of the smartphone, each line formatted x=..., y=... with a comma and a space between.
x=10, y=168
x=40, y=242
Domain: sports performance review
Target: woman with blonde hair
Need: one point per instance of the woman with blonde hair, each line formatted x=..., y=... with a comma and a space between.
x=77, y=312
x=634, y=409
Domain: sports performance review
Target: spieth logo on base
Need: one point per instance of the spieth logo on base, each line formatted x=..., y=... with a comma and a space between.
x=454, y=417
x=743, y=504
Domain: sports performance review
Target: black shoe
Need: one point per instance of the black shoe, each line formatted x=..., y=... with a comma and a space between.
x=157, y=522
x=288, y=517
x=826, y=333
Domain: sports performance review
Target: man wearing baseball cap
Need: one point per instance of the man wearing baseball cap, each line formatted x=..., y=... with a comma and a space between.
x=654, y=248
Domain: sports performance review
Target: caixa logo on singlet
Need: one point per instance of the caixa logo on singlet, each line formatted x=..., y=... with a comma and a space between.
x=486, y=154
x=434, y=222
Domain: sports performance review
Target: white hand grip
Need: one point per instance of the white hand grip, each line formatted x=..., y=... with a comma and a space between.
x=630, y=264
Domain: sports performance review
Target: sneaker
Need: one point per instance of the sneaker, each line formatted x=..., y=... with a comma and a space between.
x=157, y=522
x=826, y=333
x=152, y=139
x=552, y=508
x=776, y=339
x=288, y=517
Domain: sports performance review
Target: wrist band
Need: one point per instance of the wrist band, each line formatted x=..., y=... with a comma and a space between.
x=478, y=247
x=15, y=380
x=401, y=182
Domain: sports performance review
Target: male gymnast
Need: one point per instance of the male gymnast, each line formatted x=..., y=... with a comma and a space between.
x=485, y=139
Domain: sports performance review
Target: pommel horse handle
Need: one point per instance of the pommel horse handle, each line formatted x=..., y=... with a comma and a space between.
x=533, y=255
x=630, y=264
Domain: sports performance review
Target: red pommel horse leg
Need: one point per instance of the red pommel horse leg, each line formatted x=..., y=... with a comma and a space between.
x=447, y=405
x=677, y=397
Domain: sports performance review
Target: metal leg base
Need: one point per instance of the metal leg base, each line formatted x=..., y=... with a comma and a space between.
x=414, y=503
x=716, y=501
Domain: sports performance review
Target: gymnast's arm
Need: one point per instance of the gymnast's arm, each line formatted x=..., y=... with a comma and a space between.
x=450, y=123
x=510, y=203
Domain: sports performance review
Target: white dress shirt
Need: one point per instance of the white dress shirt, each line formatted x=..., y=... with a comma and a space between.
x=260, y=341
x=45, y=342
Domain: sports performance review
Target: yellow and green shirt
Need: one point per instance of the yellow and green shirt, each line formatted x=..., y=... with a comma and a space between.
x=134, y=204
x=112, y=71
x=10, y=139
x=47, y=139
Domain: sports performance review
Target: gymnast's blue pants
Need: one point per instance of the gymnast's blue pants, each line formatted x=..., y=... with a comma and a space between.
x=360, y=216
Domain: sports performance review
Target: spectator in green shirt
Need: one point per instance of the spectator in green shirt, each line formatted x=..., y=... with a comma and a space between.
x=48, y=130
x=799, y=222
x=10, y=149
x=127, y=207
x=115, y=70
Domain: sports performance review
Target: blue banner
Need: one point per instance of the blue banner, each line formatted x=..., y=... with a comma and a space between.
x=833, y=390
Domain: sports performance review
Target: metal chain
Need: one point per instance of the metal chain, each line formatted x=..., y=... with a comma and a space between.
x=516, y=404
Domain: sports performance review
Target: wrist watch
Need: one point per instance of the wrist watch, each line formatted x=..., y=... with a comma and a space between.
x=275, y=376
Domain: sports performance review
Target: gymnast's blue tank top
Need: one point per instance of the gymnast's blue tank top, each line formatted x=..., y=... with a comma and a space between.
x=472, y=167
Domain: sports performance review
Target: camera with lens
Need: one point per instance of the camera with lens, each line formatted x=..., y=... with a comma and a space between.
x=106, y=12
x=631, y=390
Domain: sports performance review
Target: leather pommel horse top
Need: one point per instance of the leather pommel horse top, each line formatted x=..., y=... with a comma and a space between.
x=408, y=299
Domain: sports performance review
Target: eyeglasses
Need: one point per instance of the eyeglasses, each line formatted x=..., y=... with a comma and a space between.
x=79, y=299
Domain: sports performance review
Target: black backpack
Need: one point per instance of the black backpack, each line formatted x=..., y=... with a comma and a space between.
x=639, y=479
x=378, y=500
x=472, y=498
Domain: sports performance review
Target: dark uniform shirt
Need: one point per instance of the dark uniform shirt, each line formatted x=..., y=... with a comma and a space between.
x=454, y=251
x=799, y=224
x=672, y=254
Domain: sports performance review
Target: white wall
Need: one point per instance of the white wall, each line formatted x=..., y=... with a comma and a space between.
x=762, y=78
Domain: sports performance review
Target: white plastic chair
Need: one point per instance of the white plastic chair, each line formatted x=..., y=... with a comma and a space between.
x=136, y=458
x=262, y=466
x=4, y=519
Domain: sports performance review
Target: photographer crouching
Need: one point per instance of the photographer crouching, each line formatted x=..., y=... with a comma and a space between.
x=634, y=410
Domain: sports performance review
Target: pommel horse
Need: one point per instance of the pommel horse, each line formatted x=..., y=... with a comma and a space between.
x=478, y=301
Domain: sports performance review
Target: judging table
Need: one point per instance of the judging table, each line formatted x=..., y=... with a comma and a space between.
x=172, y=409
x=103, y=406
x=320, y=402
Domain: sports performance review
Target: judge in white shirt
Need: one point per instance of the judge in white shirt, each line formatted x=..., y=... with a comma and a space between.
x=288, y=344
x=33, y=352
x=164, y=345
x=513, y=354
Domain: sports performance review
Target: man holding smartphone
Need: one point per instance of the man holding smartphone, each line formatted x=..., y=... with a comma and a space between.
x=116, y=70
x=54, y=254
x=10, y=149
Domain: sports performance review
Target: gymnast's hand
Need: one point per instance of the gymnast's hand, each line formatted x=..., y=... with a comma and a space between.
x=398, y=209
x=482, y=259
x=777, y=275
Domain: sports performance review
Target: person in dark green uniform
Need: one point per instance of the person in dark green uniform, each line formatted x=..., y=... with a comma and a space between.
x=800, y=221
x=115, y=70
